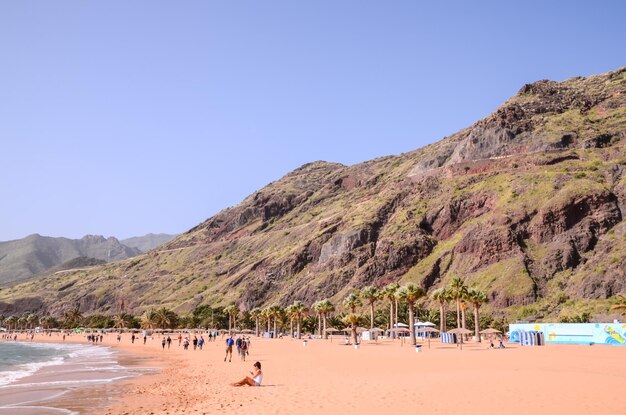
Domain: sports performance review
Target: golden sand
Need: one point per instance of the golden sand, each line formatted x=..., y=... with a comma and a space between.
x=330, y=378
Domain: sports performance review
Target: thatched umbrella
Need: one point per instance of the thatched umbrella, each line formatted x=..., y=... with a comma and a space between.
x=428, y=330
x=332, y=330
x=490, y=331
x=462, y=332
x=402, y=330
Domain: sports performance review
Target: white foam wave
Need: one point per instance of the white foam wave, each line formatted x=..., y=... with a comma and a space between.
x=27, y=369
x=69, y=382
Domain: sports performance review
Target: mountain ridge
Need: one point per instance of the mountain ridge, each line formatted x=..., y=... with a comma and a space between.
x=34, y=255
x=525, y=204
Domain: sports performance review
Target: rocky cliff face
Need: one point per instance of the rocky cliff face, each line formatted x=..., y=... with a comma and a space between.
x=526, y=204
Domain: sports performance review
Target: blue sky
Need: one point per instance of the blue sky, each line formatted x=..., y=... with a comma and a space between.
x=122, y=118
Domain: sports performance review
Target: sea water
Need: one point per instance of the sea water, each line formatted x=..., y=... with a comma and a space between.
x=18, y=360
x=36, y=377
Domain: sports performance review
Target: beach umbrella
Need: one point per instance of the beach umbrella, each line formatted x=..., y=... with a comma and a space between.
x=490, y=331
x=429, y=324
x=428, y=330
x=462, y=332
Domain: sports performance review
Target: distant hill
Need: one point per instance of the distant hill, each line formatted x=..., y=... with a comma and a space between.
x=147, y=242
x=23, y=258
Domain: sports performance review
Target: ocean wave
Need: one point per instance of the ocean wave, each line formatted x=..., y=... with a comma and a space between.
x=27, y=369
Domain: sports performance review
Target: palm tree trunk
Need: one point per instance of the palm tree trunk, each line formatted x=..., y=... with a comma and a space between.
x=458, y=314
x=324, y=318
x=319, y=324
x=396, y=316
x=230, y=323
x=291, y=327
x=269, y=324
x=298, y=326
x=442, y=318
x=391, y=320
x=463, y=317
x=354, y=335
x=371, y=316
x=275, y=323
x=412, y=323
x=476, y=323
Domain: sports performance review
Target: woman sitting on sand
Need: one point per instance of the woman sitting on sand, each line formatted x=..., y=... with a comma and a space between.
x=255, y=380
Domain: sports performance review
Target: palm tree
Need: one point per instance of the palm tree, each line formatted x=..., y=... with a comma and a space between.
x=410, y=293
x=477, y=298
x=289, y=311
x=442, y=295
x=2, y=320
x=165, y=318
x=620, y=305
x=325, y=307
x=47, y=322
x=371, y=294
x=267, y=315
x=32, y=320
x=150, y=319
x=300, y=311
x=11, y=322
x=256, y=313
x=276, y=311
x=122, y=320
x=457, y=293
x=351, y=302
x=232, y=311
x=389, y=292
x=315, y=307
x=22, y=322
x=74, y=316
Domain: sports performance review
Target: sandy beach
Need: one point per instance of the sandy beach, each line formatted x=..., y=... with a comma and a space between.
x=328, y=377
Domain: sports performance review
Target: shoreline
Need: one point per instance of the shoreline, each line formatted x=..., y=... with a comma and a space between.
x=83, y=376
x=328, y=377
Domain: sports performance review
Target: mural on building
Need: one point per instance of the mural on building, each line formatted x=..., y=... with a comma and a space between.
x=574, y=333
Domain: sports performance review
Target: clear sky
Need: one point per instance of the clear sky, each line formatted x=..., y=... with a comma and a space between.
x=127, y=117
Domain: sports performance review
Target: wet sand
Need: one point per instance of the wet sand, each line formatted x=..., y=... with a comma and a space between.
x=384, y=376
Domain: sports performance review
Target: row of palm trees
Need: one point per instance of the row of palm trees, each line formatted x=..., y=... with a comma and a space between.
x=456, y=292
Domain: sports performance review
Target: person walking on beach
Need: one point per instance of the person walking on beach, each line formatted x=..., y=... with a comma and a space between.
x=244, y=350
x=255, y=378
x=201, y=342
x=169, y=342
x=145, y=338
x=163, y=343
x=195, y=342
x=132, y=338
x=186, y=343
x=238, y=344
x=248, y=345
x=229, y=348
x=180, y=339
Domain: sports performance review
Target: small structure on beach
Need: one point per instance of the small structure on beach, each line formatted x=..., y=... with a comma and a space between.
x=570, y=333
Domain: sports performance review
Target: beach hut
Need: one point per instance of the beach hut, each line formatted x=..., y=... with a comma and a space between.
x=531, y=338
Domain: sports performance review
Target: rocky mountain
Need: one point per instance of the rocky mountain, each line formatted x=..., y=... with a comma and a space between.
x=148, y=242
x=527, y=204
x=36, y=254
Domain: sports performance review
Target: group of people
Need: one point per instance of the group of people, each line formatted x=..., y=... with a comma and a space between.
x=242, y=344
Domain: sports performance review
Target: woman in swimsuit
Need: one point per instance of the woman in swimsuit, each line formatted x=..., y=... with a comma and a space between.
x=255, y=380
